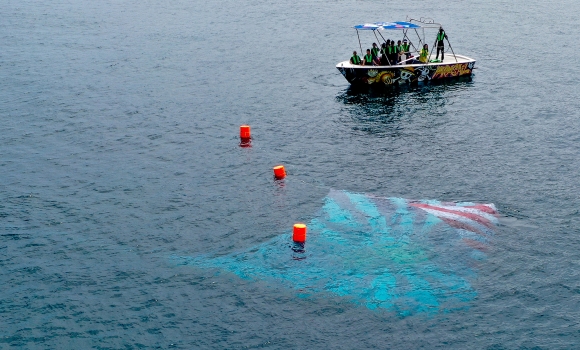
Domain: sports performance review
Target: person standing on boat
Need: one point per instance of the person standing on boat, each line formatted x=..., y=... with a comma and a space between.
x=375, y=53
x=384, y=60
x=400, y=52
x=406, y=50
x=385, y=52
x=440, y=44
x=424, y=56
x=385, y=47
x=368, y=59
x=355, y=59
x=375, y=50
x=393, y=53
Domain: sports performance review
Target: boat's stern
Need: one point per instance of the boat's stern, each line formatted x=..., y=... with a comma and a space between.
x=348, y=70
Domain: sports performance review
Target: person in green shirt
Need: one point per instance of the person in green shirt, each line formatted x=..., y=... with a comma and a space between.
x=400, y=52
x=385, y=51
x=355, y=59
x=405, y=47
x=424, y=56
x=368, y=59
x=440, y=44
x=384, y=61
x=375, y=51
x=393, y=53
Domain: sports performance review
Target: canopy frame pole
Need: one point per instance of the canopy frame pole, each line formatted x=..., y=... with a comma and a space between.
x=374, y=32
x=451, y=47
x=376, y=37
x=410, y=42
x=420, y=41
x=359, y=45
x=384, y=40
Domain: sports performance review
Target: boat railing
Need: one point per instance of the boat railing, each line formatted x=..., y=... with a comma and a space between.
x=424, y=20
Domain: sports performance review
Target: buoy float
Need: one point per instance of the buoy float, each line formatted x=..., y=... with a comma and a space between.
x=299, y=234
x=279, y=172
x=245, y=132
x=245, y=138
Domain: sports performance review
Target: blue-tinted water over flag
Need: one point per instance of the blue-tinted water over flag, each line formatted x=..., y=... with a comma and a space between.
x=400, y=255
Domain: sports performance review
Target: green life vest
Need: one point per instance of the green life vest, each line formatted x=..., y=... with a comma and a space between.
x=368, y=58
x=355, y=59
x=405, y=47
x=424, y=53
x=440, y=36
x=375, y=51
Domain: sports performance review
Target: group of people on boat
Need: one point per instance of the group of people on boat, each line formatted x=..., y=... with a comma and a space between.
x=391, y=54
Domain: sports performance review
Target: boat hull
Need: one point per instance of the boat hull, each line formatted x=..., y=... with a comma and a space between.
x=407, y=74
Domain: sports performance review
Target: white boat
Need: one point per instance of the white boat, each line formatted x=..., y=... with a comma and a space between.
x=409, y=70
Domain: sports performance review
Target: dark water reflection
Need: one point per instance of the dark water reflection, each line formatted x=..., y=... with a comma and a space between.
x=379, y=110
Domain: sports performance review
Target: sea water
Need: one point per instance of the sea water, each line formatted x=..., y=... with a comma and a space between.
x=120, y=152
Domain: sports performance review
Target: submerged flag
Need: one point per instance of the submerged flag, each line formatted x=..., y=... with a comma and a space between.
x=396, y=254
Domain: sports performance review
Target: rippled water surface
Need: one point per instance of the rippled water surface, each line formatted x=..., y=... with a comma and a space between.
x=119, y=151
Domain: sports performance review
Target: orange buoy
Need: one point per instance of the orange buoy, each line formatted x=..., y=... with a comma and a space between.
x=279, y=172
x=245, y=132
x=299, y=234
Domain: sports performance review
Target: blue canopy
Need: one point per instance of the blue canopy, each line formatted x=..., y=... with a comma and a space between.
x=399, y=25
x=386, y=25
x=367, y=26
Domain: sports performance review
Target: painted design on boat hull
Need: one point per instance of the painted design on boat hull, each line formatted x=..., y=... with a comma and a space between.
x=412, y=74
x=453, y=70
